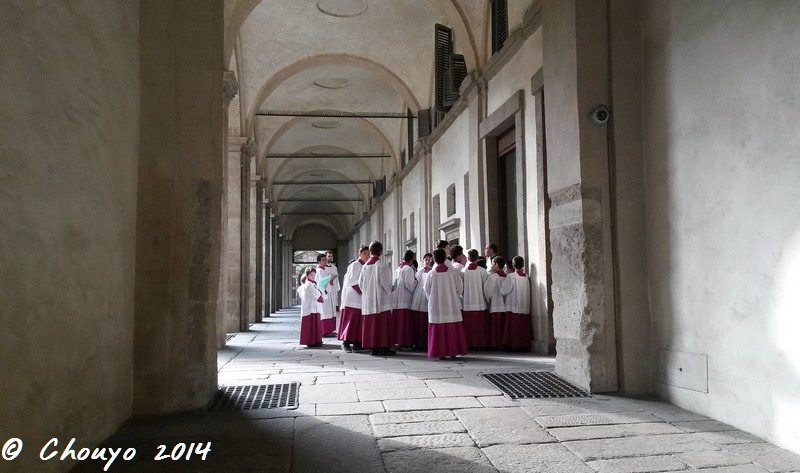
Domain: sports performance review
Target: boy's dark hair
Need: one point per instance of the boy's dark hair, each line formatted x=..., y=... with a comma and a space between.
x=310, y=270
x=415, y=265
x=439, y=255
x=509, y=264
x=427, y=254
x=363, y=248
x=519, y=262
x=376, y=248
x=501, y=262
x=320, y=256
x=472, y=254
x=442, y=244
x=492, y=247
x=482, y=262
x=456, y=251
x=409, y=256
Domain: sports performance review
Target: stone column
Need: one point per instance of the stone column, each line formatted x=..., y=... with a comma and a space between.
x=248, y=151
x=233, y=239
x=230, y=87
x=259, y=248
x=179, y=205
x=575, y=39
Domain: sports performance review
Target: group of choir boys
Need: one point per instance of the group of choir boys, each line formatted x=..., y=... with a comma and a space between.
x=448, y=305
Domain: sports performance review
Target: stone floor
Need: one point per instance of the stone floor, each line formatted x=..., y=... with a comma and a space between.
x=406, y=413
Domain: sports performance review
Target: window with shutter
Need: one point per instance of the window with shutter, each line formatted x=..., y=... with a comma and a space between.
x=443, y=42
x=499, y=24
x=424, y=122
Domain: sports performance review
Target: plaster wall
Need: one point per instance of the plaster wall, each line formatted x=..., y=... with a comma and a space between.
x=68, y=178
x=723, y=182
x=391, y=226
x=516, y=10
x=516, y=74
x=449, y=163
x=412, y=203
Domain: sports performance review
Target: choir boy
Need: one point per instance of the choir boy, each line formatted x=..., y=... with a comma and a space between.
x=497, y=305
x=419, y=305
x=444, y=286
x=517, y=290
x=405, y=283
x=476, y=318
x=350, y=315
x=311, y=298
x=376, y=308
x=459, y=260
x=328, y=314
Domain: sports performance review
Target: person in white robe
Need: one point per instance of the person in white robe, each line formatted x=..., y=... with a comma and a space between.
x=350, y=313
x=328, y=314
x=444, y=287
x=404, y=285
x=336, y=293
x=375, y=282
x=476, y=318
x=517, y=291
x=458, y=259
x=419, y=305
x=311, y=298
x=496, y=301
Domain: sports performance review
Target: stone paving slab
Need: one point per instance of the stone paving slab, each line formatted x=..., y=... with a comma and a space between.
x=768, y=456
x=564, y=434
x=411, y=416
x=328, y=394
x=509, y=425
x=386, y=394
x=604, y=449
x=703, y=426
x=440, y=460
x=362, y=377
x=396, y=384
x=714, y=459
x=418, y=428
x=638, y=465
x=596, y=419
x=461, y=387
x=729, y=438
x=433, y=403
x=348, y=408
x=327, y=444
x=735, y=469
x=539, y=458
x=436, y=374
x=425, y=441
x=553, y=410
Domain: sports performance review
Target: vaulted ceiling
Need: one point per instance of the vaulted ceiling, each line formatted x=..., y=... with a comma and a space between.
x=327, y=58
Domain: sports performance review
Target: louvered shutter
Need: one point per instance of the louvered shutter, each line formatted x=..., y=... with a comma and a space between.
x=443, y=41
x=424, y=122
x=499, y=24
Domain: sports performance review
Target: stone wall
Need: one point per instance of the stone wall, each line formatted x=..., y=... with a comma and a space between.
x=69, y=146
x=723, y=182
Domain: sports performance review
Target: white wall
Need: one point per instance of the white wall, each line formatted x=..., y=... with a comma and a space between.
x=723, y=181
x=68, y=173
x=412, y=203
x=449, y=164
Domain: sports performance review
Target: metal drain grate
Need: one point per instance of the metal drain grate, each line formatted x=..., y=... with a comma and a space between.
x=229, y=336
x=533, y=384
x=268, y=396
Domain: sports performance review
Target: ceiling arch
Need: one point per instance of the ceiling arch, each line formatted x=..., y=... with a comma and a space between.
x=272, y=83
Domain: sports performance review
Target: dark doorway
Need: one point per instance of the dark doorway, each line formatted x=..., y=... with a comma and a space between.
x=507, y=193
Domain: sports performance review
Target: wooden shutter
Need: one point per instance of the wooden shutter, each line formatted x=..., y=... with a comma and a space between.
x=499, y=24
x=443, y=42
x=424, y=122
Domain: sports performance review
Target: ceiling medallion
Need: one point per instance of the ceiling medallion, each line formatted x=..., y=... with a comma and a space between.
x=342, y=8
x=326, y=124
x=332, y=82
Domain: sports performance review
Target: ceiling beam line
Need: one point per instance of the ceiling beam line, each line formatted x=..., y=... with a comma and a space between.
x=326, y=156
x=295, y=113
x=316, y=213
x=356, y=199
x=314, y=183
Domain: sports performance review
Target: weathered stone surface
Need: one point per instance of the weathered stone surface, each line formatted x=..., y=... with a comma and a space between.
x=638, y=446
x=328, y=394
x=713, y=459
x=638, y=465
x=768, y=456
x=440, y=374
x=412, y=416
x=326, y=444
x=362, y=377
x=596, y=419
x=398, y=384
x=440, y=460
x=434, y=403
x=384, y=394
x=462, y=387
x=564, y=434
x=418, y=428
x=728, y=438
x=540, y=458
x=703, y=426
x=552, y=410
x=425, y=441
x=347, y=408
x=502, y=425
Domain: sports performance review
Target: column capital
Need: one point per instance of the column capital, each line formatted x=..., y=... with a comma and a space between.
x=230, y=86
x=248, y=150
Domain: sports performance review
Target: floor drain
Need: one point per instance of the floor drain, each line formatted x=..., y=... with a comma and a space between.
x=267, y=396
x=229, y=336
x=535, y=384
